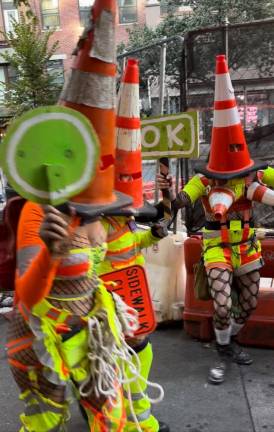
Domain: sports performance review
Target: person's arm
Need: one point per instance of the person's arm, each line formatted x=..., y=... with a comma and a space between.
x=36, y=266
x=193, y=190
x=147, y=238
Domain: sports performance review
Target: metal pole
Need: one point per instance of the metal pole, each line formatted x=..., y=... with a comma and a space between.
x=161, y=101
x=226, y=37
x=149, y=93
x=162, y=79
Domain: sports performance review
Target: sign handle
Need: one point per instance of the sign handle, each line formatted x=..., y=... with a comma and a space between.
x=164, y=170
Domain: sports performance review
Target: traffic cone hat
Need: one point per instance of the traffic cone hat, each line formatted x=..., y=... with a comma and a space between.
x=220, y=200
x=229, y=155
x=91, y=90
x=128, y=162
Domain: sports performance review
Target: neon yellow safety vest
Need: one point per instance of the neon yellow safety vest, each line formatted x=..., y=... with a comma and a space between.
x=124, y=244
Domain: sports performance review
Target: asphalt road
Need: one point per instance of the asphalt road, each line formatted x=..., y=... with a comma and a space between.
x=244, y=403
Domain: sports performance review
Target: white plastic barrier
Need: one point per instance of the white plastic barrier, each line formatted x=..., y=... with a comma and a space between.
x=166, y=276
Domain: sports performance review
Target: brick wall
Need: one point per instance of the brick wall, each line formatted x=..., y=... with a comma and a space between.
x=122, y=34
x=70, y=29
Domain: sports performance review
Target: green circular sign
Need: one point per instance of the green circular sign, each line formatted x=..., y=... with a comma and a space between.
x=50, y=154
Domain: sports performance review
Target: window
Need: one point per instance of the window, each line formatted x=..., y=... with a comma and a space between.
x=10, y=14
x=50, y=13
x=2, y=83
x=84, y=11
x=56, y=69
x=127, y=11
x=167, y=7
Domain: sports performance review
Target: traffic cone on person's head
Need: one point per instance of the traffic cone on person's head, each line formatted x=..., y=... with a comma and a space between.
x=220, y=200
x=229, y=155
x=91, y=90
x=128, y=162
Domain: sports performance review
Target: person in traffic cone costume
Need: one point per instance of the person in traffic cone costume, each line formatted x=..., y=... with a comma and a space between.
x=67, y=336
x=227, y=185
x=91, y=90
x=125, y=241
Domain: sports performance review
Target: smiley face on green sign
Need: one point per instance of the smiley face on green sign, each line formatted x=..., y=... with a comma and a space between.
x=50, y=154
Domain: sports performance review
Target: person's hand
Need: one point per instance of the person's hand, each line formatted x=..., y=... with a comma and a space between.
x=182, y=200
x=54, y=231
x=159, y=230
x=164, y=182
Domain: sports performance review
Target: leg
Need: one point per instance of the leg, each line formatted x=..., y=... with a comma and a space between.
x=141, y=405
x=102, y=416
x=45, y=406
x=220, y=281
x=249, y=289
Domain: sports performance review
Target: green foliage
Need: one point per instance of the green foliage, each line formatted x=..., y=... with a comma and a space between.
x=214, y=12
x=33, y=85
x=206, y=13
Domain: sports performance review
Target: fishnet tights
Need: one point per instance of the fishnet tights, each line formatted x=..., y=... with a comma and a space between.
x=220, y=281
x=248, y=285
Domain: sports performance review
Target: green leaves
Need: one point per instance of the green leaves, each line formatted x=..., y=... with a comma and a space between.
x=28, y=58
x=206, y=13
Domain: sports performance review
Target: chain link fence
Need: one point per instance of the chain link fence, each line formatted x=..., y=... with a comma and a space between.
x=189, y=85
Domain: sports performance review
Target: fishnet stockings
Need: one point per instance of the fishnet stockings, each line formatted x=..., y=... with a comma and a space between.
x=248, y=285
x=220, y=281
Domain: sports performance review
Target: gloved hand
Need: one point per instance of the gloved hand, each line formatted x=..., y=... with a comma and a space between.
x=159, y=230
x=182, y=200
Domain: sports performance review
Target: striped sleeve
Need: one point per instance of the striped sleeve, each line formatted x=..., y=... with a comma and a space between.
x=35, y=268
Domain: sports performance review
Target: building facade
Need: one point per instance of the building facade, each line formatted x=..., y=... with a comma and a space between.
x=68, y=18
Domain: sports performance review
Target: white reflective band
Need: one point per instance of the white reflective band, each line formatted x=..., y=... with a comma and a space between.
x=220, y=198
x=268, y=197
x=128, y=139
x=141, y=417
x=223, y=88
x=251, y=190
x=103, y=47
x=225, y=118
x=91, y=89
x=128, y=101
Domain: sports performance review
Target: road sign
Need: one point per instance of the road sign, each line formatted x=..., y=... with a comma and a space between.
x=175, y=136
x=131, y=285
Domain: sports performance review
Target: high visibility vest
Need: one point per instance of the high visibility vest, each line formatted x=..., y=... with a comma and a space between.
x=125, y=244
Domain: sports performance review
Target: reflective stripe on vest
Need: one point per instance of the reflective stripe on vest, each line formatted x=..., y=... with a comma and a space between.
x=141, y=417
x=126, y=255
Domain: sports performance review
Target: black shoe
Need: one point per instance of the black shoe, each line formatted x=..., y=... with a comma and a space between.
x=217, y=373
x=163, y=427
x=240, y=356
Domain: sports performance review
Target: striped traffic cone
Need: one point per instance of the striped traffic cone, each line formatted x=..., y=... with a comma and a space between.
x=91, y=90
x=229, y=155
x=220, y=200
x=128, y=163
x=260, y=193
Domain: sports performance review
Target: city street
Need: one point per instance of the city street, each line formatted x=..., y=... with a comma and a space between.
x=245, y=403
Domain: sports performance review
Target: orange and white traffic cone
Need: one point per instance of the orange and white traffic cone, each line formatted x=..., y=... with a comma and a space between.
x=260, y=193
x=91, y=90
x=220, y=200
x=128, y=163
x=229, y=155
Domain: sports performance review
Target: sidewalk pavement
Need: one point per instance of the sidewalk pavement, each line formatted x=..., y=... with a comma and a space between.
x=244, y=403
